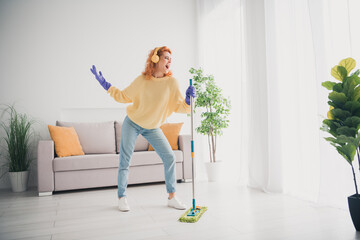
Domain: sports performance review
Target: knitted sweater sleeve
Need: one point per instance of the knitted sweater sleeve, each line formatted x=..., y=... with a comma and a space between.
x=180, y=105
x=124, y=96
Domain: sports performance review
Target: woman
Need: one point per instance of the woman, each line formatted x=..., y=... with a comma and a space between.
x=155, y=96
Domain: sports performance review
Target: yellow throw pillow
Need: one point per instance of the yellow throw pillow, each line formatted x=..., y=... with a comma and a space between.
x=66, y=141
x=171, y=132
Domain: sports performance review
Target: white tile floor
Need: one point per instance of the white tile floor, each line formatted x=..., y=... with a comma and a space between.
x=234, y=213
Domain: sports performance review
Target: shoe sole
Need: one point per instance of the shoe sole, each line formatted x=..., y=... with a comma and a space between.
x=124, y=210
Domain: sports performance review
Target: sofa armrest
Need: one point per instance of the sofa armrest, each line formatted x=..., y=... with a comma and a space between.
x=185, y=147
x=45, y=170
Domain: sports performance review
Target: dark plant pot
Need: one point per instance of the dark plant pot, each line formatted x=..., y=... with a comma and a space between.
x=354, y=207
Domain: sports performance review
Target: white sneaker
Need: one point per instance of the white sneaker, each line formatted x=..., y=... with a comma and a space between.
x=123, y=205
x=175, y=203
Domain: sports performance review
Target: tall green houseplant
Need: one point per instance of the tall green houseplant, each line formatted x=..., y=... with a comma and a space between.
x=18, y=132
x=214, y=118
x=343, y=121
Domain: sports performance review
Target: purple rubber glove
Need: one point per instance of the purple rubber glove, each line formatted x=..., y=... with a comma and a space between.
x=191, y=91
x=100, y=78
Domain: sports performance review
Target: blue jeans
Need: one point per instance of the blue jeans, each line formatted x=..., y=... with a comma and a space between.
x=129, y=134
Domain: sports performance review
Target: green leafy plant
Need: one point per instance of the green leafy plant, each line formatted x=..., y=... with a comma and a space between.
x=18, y=132
x=214, y=118
x=343, y=121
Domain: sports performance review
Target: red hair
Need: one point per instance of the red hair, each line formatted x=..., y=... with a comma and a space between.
x=150, y=65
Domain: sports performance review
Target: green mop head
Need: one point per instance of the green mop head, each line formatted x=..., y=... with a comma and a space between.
x=191, y=218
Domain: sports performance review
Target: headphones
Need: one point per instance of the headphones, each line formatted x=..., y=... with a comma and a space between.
x=155, y=58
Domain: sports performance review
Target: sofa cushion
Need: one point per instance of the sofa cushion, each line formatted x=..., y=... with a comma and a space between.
x=92, y=161
x=101, y=161
x=66, y=141
x=141, y=143
x=94, y=137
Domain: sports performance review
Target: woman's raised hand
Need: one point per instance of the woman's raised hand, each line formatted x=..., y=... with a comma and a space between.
x=106, y=85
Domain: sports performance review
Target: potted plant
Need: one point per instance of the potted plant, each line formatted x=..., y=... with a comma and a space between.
x=18, y=131
x=214, y=118
x=343, y=122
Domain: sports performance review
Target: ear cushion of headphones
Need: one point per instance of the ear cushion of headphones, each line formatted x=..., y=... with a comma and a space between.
x=155, y=58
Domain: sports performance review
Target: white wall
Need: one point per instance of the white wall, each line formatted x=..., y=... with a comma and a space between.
x=48, y=47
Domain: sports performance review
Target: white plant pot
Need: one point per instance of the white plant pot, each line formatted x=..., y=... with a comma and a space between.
x=213, y=171
x=19, y=181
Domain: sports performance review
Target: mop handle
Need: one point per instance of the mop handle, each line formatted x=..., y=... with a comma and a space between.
x=192, y=148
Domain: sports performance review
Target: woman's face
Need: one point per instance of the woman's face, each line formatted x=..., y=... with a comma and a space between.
x=164, y=63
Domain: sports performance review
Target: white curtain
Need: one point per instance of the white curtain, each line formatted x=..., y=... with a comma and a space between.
x=270, y=57
x=219, y=48
x=335, y=35
x=293, y=127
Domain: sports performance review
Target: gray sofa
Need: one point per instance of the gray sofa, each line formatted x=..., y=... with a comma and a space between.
x=99, y=166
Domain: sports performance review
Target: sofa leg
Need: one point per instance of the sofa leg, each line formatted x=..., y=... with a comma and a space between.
x=187, y=180
x=184, y=180
x=42, y=194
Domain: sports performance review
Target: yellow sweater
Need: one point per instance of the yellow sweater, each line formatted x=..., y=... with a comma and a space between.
x=153, y=100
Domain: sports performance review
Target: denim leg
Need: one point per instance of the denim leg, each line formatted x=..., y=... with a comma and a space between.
x=129, y=134
x=162, y=147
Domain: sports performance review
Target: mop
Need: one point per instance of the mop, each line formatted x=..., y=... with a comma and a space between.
x=193, y=214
